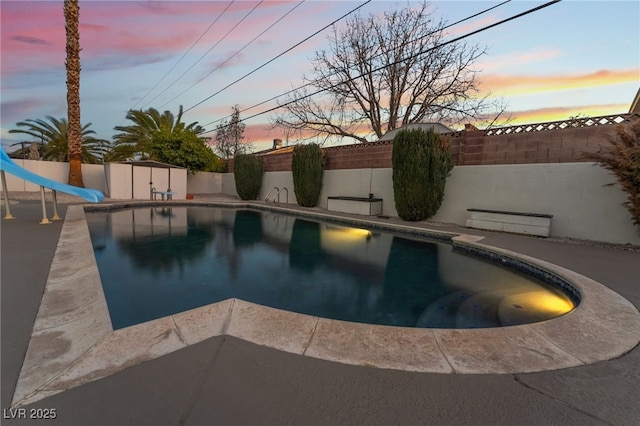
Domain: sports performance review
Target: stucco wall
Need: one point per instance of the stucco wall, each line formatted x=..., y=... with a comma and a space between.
x=576, y=194
x=229, y=184
x=120, y=177
x=94, y=176
x=204, y=183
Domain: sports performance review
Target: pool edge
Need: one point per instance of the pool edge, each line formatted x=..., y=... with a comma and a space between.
x=558, y=343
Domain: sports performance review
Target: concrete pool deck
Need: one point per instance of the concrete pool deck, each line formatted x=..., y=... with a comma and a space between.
x=290, y=381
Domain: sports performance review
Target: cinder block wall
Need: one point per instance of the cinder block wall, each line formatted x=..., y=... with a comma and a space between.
x=557, y=142
x=549, y=146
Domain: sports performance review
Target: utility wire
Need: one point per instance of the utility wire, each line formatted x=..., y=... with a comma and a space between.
x=183, y=56
x=277, y=56
x=210, y=49
x=236, y=53
x=454, y=40
x=373, y=57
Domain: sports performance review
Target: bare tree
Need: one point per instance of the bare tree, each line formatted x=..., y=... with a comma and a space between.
x=229, y=135
x=382, y=72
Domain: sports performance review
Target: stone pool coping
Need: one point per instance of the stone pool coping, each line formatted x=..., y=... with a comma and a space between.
x=73, y=343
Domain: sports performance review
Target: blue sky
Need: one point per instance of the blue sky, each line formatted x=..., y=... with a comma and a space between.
x=574, y=57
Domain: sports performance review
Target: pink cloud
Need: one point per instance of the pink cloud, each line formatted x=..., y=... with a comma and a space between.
x=492, y=63
x=14, y=111
x=473, y=25
x=526, y=84
x=541, y=115
x=110, y=31
x=259, y=133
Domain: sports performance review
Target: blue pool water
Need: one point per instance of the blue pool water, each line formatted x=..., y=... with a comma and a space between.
x=159, y=261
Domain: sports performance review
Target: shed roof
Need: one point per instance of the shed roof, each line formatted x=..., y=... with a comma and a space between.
x=437, y=127
x=151, y=163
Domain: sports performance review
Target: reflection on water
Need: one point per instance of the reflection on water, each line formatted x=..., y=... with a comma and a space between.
x=305, y=247
x=247, y=228
x=412, y=278
x=157, y=262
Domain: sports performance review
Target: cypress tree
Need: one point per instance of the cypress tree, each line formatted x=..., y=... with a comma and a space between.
x=247, y=171
x=306, y=167
x=421, y=163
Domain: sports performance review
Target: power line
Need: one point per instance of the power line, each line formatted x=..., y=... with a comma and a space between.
x=183, y=56
x=454, y=40
x=373, y=57
x=279, y=55
x=236, y=52
x=207, y=52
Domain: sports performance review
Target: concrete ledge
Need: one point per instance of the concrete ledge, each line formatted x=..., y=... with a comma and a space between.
x=355, y=205
x=514, y=222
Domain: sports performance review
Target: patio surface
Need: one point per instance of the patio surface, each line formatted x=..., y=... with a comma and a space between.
x=226, y=380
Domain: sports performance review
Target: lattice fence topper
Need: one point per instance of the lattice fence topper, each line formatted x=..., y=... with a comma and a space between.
x=605, y=120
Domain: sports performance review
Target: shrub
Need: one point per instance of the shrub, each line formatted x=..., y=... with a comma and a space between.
x=248, y=173
x=622, y=158
x=182, y=149
x=218, y=165
x=306, y=166
x=421, y=163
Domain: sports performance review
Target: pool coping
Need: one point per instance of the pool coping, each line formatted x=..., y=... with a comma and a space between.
x=73, y=343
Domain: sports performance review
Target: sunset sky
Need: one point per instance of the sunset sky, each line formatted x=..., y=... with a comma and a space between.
x=572, y=58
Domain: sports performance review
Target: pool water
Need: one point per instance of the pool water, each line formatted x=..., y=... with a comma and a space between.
x=158, y=261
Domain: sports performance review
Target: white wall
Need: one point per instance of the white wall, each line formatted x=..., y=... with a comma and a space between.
x=280, y=180
x=120, y=177
x=92, y=175
x=576, y=194
x=204, y=183
x=359, y=183
x=352, y=182
x=229, y=184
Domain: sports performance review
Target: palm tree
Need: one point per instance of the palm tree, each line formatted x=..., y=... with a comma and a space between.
x=72, y=19
x=135, y=140
x=55, y=136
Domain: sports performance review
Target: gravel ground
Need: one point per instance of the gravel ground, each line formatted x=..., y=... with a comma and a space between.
x=16, y=197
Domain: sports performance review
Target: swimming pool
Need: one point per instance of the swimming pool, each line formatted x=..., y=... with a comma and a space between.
x=158, y=261
x=73, y=341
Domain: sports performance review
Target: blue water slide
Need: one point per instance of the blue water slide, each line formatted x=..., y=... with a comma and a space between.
x=8, y=165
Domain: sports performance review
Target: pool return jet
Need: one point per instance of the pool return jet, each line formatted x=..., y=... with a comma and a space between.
x=8, y=165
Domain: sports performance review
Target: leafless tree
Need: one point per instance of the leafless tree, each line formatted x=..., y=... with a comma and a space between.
x=384, y=71
x=229, y=136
